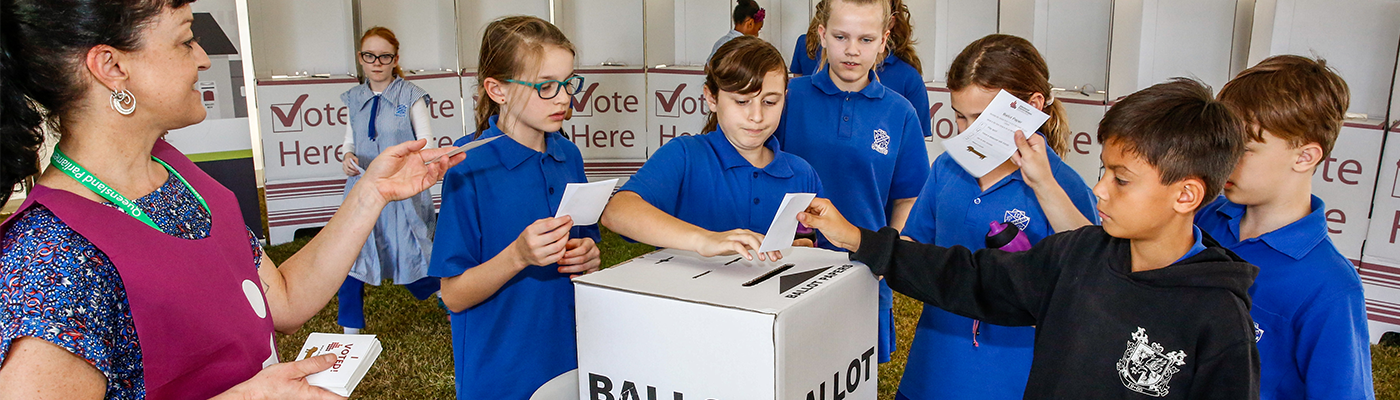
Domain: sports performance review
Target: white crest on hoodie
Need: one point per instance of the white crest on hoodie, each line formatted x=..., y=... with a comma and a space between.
x=1146, y=368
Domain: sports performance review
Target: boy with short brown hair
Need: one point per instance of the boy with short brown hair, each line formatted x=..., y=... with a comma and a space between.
x=1309, y=310
x=1143, y=305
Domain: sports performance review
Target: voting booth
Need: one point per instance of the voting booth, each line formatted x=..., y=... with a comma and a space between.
x=304, y=58
x=680, y=35
x=609, y=123
x=672, y=324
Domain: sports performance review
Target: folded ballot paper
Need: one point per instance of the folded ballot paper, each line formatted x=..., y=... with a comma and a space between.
x=355, y=354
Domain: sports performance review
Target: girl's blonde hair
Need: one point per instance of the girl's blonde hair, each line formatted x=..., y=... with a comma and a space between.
x=509, y=45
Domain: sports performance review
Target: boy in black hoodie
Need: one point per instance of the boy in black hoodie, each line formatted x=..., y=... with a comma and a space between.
x=1142, y=307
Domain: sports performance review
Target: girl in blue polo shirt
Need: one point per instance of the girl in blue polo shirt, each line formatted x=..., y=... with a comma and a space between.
x=954, y=356
x=712, y=193
x=505, y=264
x=900, y=71
x=863, y=139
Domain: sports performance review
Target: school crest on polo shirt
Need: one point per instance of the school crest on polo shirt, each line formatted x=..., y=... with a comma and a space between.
x=882, y=142
x=1018, y=218
x=1146, y=368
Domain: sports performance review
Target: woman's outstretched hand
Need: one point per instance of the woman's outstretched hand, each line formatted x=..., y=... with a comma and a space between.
x=400, y=171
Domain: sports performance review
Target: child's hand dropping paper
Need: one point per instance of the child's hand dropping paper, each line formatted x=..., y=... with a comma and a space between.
x=784, y=226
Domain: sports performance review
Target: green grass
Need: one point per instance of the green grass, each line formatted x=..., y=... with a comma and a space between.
x=417, y=358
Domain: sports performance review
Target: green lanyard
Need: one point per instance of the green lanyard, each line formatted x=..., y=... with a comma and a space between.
x=80, y=174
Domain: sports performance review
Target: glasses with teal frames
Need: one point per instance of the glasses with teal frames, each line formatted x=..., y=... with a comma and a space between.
x=551, y=88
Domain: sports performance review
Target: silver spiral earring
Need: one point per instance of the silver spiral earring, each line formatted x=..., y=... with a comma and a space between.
x=123, y=102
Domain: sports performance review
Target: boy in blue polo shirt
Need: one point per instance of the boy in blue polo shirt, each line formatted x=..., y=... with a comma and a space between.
x=713, y=193
x=863, y=139
x=1141, y=307
x=1309, y=310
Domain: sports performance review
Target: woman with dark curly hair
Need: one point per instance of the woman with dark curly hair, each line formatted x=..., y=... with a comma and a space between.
x=127, y=271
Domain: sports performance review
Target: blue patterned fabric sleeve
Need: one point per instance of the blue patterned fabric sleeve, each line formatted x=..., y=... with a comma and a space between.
x=59, y=288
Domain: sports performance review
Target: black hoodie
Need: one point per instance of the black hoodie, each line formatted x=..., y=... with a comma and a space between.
x=1103, y=331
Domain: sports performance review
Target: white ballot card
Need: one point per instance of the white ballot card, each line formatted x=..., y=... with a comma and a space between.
x=784, y=226
x=464, y=148
x=585, y=201
x=991, y=140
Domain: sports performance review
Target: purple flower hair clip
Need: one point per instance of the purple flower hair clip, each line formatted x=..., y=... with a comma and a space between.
x=758, y=16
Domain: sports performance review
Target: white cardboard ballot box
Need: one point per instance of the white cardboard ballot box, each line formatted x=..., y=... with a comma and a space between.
x=671, y=325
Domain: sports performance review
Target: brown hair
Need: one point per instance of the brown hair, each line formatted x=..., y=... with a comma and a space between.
x=901, y=42
x=1180, y=129
x=1012, y=64
x=739, y=67
x=1296, y=98
x=823, y=15
x=814, y=42
x=388, y=36
x=508, y=44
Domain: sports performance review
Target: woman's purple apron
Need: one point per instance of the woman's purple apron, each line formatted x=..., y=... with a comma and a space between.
x=200, y=313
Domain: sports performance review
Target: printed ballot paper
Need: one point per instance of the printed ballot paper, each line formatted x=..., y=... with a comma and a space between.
x=585, y=201
x=784, y=226
x=354, y=355
x=990, y=140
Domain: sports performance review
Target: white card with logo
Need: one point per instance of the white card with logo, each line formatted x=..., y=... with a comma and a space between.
x=991, y=140
x=354, y=355
x=784, y=226
x=585, y=201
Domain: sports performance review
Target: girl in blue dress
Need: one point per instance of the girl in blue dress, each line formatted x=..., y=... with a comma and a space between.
x=505, y=263
x=386, y=110
x=954, y=356
x=713, y=193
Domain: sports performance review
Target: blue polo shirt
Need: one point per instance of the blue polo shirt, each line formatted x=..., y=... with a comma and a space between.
x=1308, y=309
x=953, y=210
x=898, y=75
x=866, y=147
x=703, y=180
x=523, y=336
x=801, y=64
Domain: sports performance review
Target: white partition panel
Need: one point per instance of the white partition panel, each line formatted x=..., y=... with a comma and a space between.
x=1154, y=40
x=785, y=22
x=698, y=24
x=312, y=36
x=474, y=15
x=1358, y=37
x=944, y=27
x=426, y=29
x=1072, y=35
x=605, y=32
